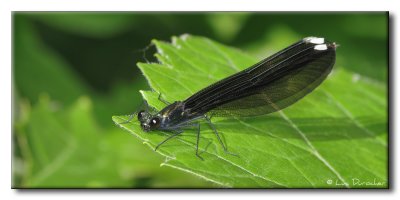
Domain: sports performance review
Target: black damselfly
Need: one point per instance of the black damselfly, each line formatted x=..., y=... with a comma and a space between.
x=268, y=86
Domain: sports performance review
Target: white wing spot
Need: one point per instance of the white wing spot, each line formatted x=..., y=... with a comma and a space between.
x=320, y=47
x=314, y=40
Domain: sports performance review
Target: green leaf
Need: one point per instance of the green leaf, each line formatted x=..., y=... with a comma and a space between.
x=66, y=147
x=60, y=149
x=38, y=69
x=100, y=25
x=333, y=138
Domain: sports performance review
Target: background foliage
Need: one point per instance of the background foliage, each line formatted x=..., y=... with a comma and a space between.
x=73, y=71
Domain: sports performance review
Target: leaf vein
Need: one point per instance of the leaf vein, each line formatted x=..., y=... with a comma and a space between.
x=315, y=151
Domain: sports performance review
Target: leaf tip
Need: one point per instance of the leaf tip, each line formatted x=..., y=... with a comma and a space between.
x=117, y=120
x=114, y=118
x=154, y=41
x=185, y=36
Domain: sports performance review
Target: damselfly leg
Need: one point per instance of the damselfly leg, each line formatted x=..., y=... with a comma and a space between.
x=178, y=131
x=175, y=133
x=219, y=138
x=163, y=100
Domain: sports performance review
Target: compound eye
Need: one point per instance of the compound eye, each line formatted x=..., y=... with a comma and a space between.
x=154, y=122
x=141, y=115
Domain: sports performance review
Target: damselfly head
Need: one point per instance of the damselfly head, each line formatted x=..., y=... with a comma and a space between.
x=148, y=122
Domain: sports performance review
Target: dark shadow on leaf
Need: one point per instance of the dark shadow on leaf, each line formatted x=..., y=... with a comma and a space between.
x=322, y=128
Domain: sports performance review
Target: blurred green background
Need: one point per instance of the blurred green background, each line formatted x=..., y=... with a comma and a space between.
x=72, y=71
